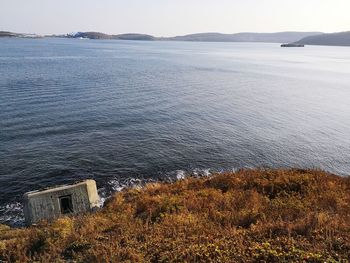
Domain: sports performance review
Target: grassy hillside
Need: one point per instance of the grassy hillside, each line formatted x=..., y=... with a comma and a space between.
x=248, y=216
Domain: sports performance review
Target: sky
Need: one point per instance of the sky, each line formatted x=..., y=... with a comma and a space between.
x=173, y=17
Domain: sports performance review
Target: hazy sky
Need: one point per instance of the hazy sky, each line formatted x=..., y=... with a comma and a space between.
x=173, y=17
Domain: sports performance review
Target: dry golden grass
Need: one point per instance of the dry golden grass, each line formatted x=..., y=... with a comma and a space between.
x=248, y=216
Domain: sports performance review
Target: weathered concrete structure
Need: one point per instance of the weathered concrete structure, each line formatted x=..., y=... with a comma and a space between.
x=62, y=200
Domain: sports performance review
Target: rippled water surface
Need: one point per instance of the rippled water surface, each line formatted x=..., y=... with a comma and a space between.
x=124, y=112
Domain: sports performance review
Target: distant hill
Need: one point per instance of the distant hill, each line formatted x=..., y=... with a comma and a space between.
x=304, y=38
x=281, y=37
x=90, y=35
x=11, y=34
x=334, y=39
x=134, y=36
x=98, y=35
x=8, y=34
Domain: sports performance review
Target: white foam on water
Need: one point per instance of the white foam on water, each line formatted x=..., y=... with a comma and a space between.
x=201, y=172
x=12, y=213
x=180, y=175
x=118, y=185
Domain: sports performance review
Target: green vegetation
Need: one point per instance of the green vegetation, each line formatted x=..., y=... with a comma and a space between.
x=248, y=216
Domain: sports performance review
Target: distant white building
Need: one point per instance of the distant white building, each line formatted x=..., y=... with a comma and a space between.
x=62, y=200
